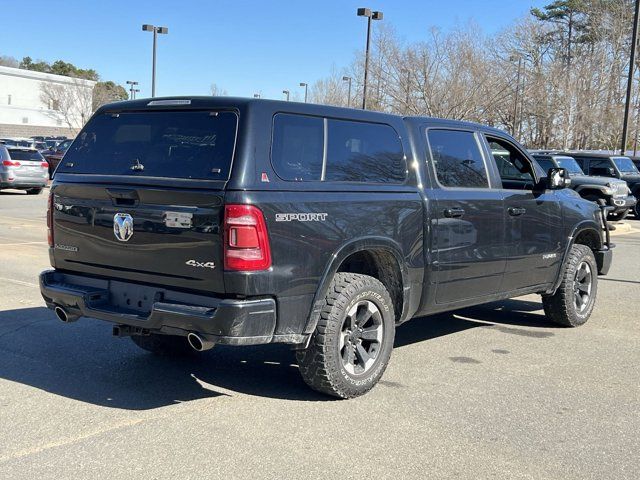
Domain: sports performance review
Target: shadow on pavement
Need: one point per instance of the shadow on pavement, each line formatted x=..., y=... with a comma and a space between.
x=506, y=312
x=83, y=362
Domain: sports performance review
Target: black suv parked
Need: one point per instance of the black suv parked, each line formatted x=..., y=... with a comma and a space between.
x=614, y=192
x=636, y=161
x=613, y=166
x=194, y=221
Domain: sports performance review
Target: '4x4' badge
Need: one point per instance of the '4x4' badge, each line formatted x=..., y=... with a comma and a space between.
x=123, y=226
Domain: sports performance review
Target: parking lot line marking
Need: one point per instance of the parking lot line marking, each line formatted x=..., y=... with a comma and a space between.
x=126, y=423
x=68, y=441
x=19, y=282
x=20, y=243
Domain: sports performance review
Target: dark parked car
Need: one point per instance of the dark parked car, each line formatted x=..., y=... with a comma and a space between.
x=195, y=221
x=613, y=166
x=9, y=142
x=54, y=155
x=614, y=192
x=636, y=161
x=22, y=169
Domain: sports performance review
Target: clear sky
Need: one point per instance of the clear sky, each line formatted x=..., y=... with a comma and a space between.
x=243, y=46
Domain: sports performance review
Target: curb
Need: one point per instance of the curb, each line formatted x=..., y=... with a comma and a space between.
x=622, y=228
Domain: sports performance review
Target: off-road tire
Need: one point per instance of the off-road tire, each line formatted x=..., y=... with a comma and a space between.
x=321, y=363
x=561, y=307
x=617, y=217
x=164, y=345
x=34, y=191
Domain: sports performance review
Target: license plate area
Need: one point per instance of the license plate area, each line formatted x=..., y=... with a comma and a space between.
x=134, y=298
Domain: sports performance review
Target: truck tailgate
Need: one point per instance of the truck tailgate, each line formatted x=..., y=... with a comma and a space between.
x=164, y=236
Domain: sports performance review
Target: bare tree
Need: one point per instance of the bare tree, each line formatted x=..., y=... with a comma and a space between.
x=329, y=91
x=7, y=61
x=556, y=79
x=216, y=91
x=71, y=103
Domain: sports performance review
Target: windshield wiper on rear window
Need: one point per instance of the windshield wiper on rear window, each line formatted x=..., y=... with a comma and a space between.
x=137, y=167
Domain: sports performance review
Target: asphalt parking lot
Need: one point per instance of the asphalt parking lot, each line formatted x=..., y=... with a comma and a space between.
x=489, y=392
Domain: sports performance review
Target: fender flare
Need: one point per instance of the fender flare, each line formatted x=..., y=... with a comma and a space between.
x=355, y=245
x=583, y=226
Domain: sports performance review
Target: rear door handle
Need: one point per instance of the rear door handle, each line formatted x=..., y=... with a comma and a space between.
x=516, y=212
x=454, y=212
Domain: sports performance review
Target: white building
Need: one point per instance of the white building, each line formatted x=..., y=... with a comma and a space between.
x=36, y=103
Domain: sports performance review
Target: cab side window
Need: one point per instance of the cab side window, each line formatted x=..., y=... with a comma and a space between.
x=514, y=168
x=364, y=152
x=297, y=148
x=457, y=159
x=600, y=166
x=306, y=148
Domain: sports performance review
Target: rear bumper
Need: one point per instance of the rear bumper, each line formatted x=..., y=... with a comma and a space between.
x=23, y=183
x=159, y=310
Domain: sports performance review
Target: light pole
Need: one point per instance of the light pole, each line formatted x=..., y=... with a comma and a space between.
x=256, y=95
x=632, y=67
x=286, y=92
x=348, y=79
x=635, y=140
x=366, y=12
x=306, y=88
x=156, y=31
x=132, y=89
x=135, y=90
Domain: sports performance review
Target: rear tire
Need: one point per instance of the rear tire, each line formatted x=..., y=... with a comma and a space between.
x=34, y=191
x=573, y=302
x=164, y=345
x=636, y=210
x=351, y=345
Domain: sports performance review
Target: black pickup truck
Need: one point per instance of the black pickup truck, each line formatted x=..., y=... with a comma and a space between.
x=188, y=222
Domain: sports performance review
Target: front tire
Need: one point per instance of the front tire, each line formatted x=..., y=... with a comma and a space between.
x=351, y=345
x=573, y=302
x=164, y=345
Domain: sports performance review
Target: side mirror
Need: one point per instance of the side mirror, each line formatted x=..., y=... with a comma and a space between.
x=558, y=178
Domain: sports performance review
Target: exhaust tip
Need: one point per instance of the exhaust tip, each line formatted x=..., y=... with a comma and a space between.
x=198, y=343
x=63, y=316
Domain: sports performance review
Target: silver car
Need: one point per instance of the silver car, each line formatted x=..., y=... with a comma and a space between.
x=23, y=168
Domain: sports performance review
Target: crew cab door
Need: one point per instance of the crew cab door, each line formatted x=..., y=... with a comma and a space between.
x=466, y=216
x=533, y=219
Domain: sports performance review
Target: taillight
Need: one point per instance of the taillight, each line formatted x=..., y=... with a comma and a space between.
x=50, y=220
x=246, y=242
x=10, y=163
x=44, y=164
